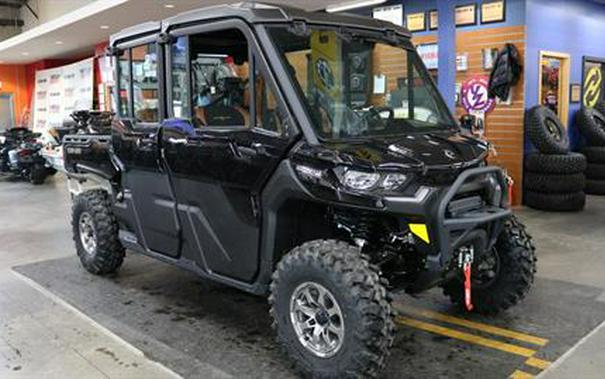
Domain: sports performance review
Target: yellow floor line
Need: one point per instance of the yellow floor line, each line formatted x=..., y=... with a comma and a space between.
x=518, y=374
x=467, y=337
x=476, y=325
x=537, y=363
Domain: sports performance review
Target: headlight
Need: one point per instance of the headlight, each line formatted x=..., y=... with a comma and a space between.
x=393, y=181
x=359, y=180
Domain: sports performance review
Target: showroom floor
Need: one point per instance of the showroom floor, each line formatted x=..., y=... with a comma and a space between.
x=56, y=321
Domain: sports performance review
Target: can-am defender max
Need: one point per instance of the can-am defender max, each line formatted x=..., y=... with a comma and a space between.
x=303, y=156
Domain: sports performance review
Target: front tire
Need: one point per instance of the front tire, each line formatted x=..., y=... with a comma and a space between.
x=95, y=231
x=37, y=174
x=516, y=257
x=331, y=311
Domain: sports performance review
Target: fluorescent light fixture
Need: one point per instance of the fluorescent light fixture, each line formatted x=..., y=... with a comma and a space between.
x=348, y=5
x=25, y=53
x=59, y=43
x=104, y=27
x=169, y=6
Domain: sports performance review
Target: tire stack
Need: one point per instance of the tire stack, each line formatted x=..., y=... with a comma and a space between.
x=554, y=177
x=591, y=123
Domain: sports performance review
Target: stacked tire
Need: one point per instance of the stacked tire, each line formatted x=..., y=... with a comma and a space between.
x=554, y=177
x=591, y=123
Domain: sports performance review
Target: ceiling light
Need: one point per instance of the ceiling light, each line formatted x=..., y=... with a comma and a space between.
x=348, y=5
x=59, y=43
x=25, y=53
x=169, y=6
x=104, y=27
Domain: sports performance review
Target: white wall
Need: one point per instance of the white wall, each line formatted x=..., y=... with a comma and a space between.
x=48, y=10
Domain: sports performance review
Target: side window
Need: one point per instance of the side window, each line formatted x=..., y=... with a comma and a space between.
x=180, y=85
x=124, y=84
x=267, y=108
x=220, y=75
x=145, y=83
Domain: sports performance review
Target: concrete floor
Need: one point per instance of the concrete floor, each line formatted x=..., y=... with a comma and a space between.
x=41, y=335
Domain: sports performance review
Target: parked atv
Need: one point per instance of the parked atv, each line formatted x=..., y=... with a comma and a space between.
x=267, y=162
x=20, y=156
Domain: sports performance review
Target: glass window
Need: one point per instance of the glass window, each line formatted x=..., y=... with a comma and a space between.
x=267, y=109
x=180, y=86
x=145, y=83
x=360, y=84
x=124, y=84
x=220, y=79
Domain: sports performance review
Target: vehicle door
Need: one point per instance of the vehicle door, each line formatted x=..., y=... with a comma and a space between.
x=228, y=140
x=150, y=208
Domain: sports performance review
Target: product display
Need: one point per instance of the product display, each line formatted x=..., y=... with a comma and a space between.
x=591, y=123
x=554, y=178
x=288, y=177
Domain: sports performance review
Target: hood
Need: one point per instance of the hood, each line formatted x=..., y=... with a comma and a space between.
x=418, y=151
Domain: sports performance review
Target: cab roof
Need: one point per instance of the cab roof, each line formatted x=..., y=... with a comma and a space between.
x=255, y=13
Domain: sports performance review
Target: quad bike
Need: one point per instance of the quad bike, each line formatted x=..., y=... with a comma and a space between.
x=20, y=156
x=313, y=191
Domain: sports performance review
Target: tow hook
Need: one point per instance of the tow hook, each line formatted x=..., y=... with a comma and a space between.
x=465, y=261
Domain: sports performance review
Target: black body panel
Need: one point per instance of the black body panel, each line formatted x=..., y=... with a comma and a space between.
x=217, y=176
x=149, y=197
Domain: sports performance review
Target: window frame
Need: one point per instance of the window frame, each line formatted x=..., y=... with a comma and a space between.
x=126, y=48
x=256, y=62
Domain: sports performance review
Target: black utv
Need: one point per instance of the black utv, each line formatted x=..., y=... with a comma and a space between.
x=303, y=156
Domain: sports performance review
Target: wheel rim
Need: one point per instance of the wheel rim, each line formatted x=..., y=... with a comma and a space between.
x=317, y=319
x=88, y=235
x=553, y=129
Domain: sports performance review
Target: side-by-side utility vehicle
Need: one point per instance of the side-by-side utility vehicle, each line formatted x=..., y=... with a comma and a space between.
x=303, y=156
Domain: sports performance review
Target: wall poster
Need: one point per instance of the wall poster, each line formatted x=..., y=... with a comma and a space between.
x=493, y=11
x=416, y=22
x=393, y=13
x=433, y=19
x=466, y=15
x=593, y=71
x=60, y=91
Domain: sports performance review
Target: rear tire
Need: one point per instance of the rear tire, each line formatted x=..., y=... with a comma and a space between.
x=359, y=294
x=37, y=174
x=591, y=124
x=95, y=231
x=595, y=187
x=550, y=183
x=572, y=163
x=545, y=131
x=517, y=267
x=565, y=202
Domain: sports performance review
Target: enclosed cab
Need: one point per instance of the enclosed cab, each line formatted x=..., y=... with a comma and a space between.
x=304, y=156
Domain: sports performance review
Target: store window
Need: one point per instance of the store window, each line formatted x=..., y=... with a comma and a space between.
x=220, y=79
x=180, y=85
x=145, y=83
x=124, y=84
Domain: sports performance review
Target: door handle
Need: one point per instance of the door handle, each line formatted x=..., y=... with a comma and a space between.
x=259, y=148
x=177, y=141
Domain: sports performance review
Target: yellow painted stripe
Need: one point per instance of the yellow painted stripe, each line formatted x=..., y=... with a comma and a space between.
x=537, y=363
x=518, y=374
x=476, y=325
x=467, y=337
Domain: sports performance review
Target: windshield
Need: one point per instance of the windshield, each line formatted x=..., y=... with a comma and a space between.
x=360, y=85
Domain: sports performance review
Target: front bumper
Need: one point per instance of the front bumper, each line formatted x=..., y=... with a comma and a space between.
x=448, y=231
